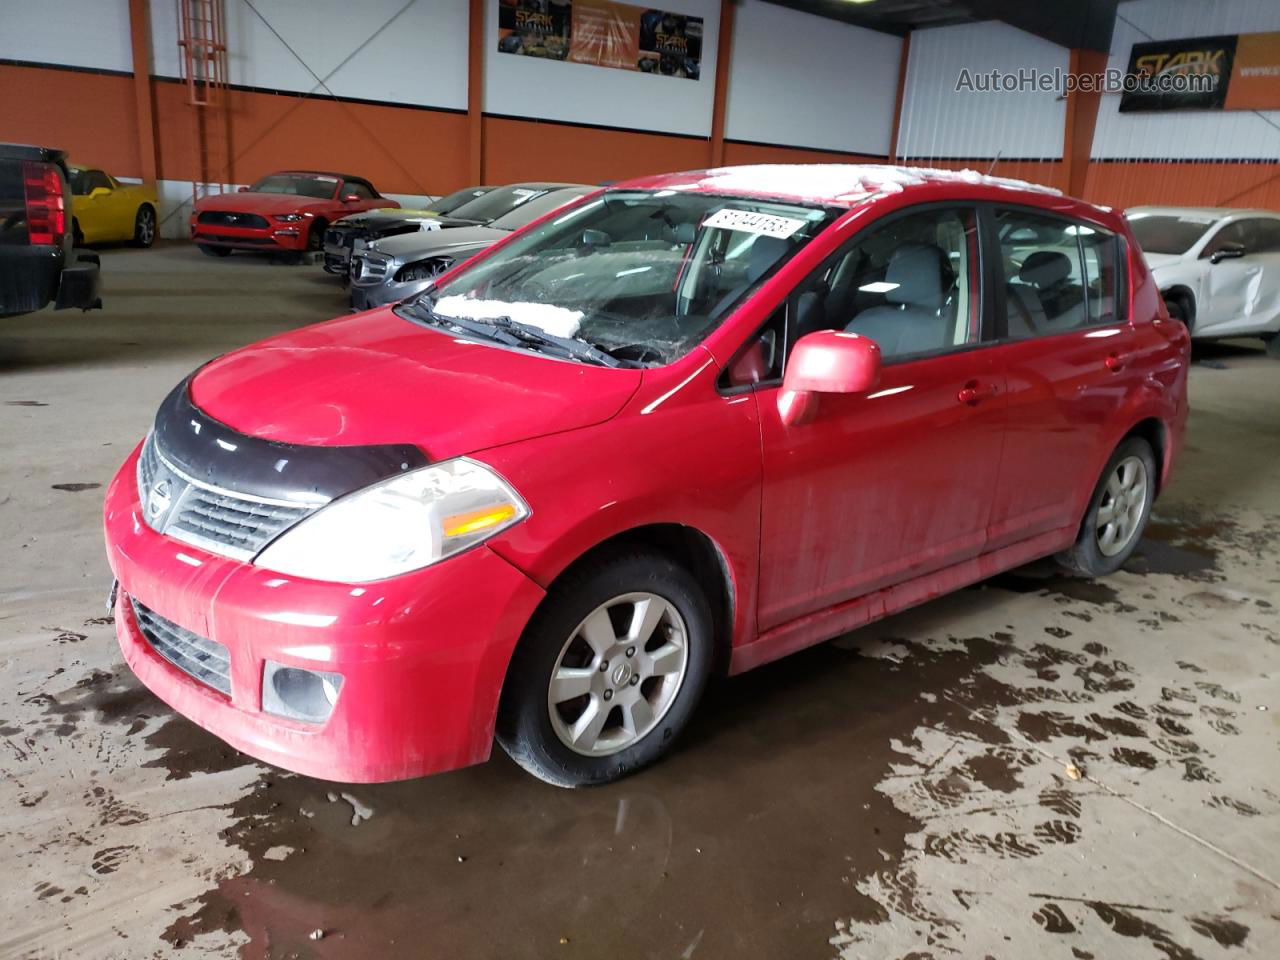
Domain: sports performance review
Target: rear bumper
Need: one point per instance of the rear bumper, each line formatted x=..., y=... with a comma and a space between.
x=31, y=277
x=80, y=285
x=422, y=656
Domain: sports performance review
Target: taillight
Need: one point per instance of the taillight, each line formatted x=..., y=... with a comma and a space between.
x=46, y=206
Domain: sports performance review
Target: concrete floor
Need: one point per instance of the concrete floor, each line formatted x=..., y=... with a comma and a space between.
x=904, y=791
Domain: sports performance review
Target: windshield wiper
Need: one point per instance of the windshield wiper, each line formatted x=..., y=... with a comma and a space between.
x=536, y=336
x=420, y=309
x=512, y=333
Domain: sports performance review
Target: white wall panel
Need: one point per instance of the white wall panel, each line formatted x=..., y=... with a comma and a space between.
x=1207, y=134
x=420, y=57
x=75, y=33
x=801, y=80
x=940, y=122
x=578, y=93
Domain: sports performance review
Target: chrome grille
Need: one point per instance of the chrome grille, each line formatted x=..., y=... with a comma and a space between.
x=223, y=218
x=370, y=268
x=196, y=656
x=221, y=521
x=224, y=522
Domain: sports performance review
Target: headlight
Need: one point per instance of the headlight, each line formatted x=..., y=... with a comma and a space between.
x=405, y=523
x=288, y=217
x=424, y=269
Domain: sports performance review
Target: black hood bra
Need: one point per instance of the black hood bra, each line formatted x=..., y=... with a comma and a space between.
x=210, y=452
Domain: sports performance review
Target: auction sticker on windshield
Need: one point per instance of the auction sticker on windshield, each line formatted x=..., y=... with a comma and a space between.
x=747, y=221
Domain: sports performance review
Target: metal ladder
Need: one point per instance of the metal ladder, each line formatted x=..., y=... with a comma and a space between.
x=202, y=41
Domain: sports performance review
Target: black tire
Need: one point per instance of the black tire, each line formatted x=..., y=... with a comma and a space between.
x=144, y=226
x=525, y=729
x=1273, y=345
x=212, y=251
x=1182, y=307
x=315, y=236
x=77, y=235
x=1087, y=556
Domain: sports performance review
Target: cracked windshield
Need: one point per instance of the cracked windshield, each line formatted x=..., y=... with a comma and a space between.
x=640, y=277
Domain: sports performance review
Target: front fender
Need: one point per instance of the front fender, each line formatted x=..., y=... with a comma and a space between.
x=697, y=465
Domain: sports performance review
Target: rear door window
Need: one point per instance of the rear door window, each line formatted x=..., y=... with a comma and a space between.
x=1058, y=274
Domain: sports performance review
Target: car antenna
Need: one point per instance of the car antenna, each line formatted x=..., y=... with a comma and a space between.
x=994, y=161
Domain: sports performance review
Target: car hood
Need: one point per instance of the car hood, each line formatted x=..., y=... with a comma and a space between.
x=364, y=216
x=1157, y=260
x=375, y=378
x=424, y=243
x=261, y=203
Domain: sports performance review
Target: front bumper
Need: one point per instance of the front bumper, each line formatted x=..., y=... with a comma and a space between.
x=385, y=293
x=423, y=656
x=337, y=258
x=283, y=236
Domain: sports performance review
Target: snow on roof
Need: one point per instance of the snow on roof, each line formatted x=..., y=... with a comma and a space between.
x=836, y=183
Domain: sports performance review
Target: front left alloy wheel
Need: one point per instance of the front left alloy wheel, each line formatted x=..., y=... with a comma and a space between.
x=609, y=671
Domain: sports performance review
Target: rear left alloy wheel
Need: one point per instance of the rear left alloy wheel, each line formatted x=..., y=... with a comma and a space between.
x=1117, y=513
x=608, y=673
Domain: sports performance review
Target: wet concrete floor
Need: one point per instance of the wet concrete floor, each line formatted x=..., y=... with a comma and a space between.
x=1033, y=766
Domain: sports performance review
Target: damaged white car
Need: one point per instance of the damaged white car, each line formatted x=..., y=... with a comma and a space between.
x=1218, y=268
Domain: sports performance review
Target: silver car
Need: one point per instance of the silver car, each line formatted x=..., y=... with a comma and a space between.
x=387, y=271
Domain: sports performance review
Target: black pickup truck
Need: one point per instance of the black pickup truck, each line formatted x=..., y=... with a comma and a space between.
x=38, y=263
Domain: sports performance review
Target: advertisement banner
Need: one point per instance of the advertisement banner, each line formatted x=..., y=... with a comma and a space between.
x=1255, y=76
x=1230, y=72
x=603, y=33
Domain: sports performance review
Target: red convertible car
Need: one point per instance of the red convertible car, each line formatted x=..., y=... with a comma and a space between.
x=284, y=211
x=687, y=424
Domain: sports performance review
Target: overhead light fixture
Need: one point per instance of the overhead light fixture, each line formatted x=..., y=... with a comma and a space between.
x=859, y=1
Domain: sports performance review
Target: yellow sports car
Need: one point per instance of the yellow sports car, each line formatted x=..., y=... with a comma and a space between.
x=104, y=210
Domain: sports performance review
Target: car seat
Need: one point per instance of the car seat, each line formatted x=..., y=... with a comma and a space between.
x=1048, y=272
x=918, y=317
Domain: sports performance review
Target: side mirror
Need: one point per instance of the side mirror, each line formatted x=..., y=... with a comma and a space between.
x=242, y=190
x=100, y=192
x=1228, y=251
x=829, y=361
x=350, y=197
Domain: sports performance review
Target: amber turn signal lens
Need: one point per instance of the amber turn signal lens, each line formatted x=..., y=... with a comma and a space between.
x=477, y=520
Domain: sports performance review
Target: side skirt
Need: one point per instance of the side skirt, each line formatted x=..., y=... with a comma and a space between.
x=825, y=624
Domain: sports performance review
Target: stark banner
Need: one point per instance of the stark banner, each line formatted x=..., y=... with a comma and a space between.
x=1230, y=72
x=603, y=33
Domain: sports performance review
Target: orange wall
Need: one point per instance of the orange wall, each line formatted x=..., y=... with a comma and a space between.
x=529, y=150
x=402, y=150
x=1048, y=173
x=1184, y=184
x=406, y=150
x=89, y=115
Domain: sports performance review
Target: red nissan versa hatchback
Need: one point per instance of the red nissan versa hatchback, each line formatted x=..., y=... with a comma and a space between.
x=691, y=423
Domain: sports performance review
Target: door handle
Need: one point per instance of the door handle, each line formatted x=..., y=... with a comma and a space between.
x=974, y=392
x=1115, y=362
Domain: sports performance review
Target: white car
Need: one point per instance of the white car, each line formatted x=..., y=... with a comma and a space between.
x=1218, y=268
